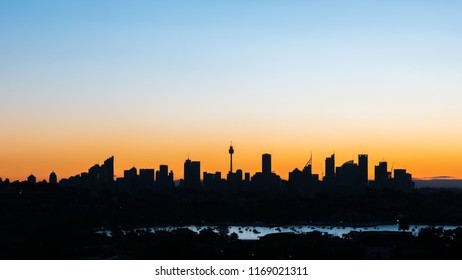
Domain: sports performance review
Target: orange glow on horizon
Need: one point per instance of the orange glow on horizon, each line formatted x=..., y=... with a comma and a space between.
x=67, y=160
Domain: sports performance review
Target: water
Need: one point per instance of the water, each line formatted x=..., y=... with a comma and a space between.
x=255, y=232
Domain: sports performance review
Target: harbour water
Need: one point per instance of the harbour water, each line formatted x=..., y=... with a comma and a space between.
x=255, y=232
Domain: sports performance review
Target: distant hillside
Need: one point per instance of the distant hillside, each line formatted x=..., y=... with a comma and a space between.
x=438, y=184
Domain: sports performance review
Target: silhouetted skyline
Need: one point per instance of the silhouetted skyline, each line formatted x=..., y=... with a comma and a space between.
x=349, y=177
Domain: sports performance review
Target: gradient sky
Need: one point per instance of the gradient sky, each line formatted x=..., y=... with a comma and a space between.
x=151, y=81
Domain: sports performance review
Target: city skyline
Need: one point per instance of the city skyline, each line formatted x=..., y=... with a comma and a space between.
x=192, y=169
x=349, y=177
x=282, y=164
x=151, y=81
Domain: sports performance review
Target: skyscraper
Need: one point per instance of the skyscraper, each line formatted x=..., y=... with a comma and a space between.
x=363, y=170
x=107, y=172
x=31, y=179
x=266, y=163
x=53, y=178
x=147, y=177
x=381, y=174
x=131, y=177
x=164, y=179
x=192, y=172
x=403, y=180
x=330, y=168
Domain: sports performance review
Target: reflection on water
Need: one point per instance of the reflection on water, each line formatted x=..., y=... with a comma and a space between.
x=254, y=232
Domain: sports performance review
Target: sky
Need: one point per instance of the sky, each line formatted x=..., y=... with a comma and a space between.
x=153, y=81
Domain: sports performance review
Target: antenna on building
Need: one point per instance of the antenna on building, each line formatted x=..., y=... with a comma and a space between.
x=310, y=161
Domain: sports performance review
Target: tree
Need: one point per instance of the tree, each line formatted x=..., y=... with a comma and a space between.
x=403, y=224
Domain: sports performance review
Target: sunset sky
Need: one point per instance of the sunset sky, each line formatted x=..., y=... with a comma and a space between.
x=151, y=81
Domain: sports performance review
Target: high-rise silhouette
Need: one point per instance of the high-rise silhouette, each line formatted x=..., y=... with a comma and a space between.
x=147, y=177
x=164, y=178
x=381, y=174
x=53, y=178
x=363, y=170
x=266, y=164
x=107, y=172
x=330, y=168
x=192, y=172
x=31, y=179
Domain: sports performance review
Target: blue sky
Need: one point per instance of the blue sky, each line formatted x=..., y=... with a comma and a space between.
x=234, y=67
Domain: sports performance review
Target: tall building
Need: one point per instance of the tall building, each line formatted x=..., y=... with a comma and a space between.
x=308, y=169
x=330, y=168
x=31, y=179
x=162, y=173
x=107, y=172
x=192, y=172
x=234, y=180
x=403, y=180
x=363, y=170
x=53, y=178
x=208, y=179
x=171, y=179
x=147, y=177
x=131, y=177
x=187, y=171
x=93, y=178
x=347, y=176
x=266, y=164
x=164, y=179
x=247, y=177
x=381, y=174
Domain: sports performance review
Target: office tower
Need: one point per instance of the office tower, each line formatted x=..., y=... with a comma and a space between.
x=147, y=177
x=363, y=170
x=53, y=178
x=164, y=179
x=403, y=180
x=130, y=173
x=347, y=176
x=247, y=177
x=196, y=172
x=208, y=179
x=131, y=177
x=192, y=172
x=162, y=173
x=238, y=175
x=94, y=176
x=107, y=172
x=31, y=179
x=187, y=171
x=330, y=168
x=381, y=174
x=170, y=178
x=266, y=163
x=308, y=169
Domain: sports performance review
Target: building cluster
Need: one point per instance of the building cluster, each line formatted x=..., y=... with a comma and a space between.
x=102, y=176
x=349, y=177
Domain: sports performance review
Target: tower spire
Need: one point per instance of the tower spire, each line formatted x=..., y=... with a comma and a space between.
x=231, y=152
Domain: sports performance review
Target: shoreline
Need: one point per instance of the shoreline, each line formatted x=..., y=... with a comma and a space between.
x=327, y=226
